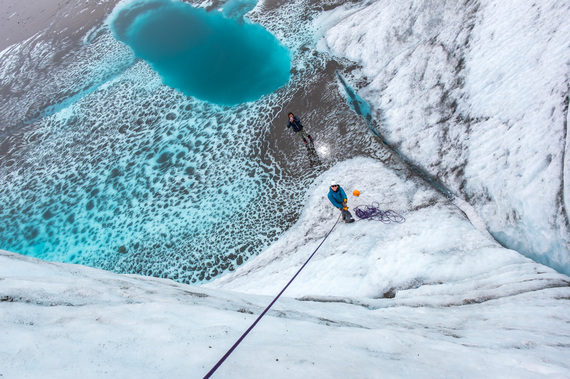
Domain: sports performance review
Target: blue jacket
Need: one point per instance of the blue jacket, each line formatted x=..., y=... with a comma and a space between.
x=338, y=197
x=295, y=124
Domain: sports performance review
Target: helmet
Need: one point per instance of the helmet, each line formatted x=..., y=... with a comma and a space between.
x=356, y=193
x=334, y=183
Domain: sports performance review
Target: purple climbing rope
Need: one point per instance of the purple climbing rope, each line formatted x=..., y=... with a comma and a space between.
x=373, y=212
x=217, y=365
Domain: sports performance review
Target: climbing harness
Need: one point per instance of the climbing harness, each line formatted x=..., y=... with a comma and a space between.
x=373, y=212
x=217, y=365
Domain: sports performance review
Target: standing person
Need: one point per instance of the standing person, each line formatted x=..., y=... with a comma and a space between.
x=337, y=196
x=295, y=123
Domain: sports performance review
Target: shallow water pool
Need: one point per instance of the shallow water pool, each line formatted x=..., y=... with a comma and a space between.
x=203, y=54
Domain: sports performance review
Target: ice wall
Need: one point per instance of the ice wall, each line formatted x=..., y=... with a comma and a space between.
x=476, y=94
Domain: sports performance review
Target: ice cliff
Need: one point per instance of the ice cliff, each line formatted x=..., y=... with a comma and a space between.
x=476, y=93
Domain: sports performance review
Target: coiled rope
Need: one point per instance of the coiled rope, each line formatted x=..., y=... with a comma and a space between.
x=217, y=365
x=373, y=212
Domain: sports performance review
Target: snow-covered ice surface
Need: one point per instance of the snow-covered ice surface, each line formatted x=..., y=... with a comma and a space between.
x=431, y=297
x=476, y=94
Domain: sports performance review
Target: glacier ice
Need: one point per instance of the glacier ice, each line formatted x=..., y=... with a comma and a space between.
x=476, y=95
x=101, y=164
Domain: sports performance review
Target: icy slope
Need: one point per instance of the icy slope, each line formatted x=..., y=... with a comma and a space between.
x=430, y=297
x=436, y=248
x=475, y=93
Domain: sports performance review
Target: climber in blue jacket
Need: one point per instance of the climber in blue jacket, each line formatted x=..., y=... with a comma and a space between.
x=338, y=198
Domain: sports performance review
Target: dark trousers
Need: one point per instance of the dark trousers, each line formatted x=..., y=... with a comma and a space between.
x=302, y=133
x=346, y=215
